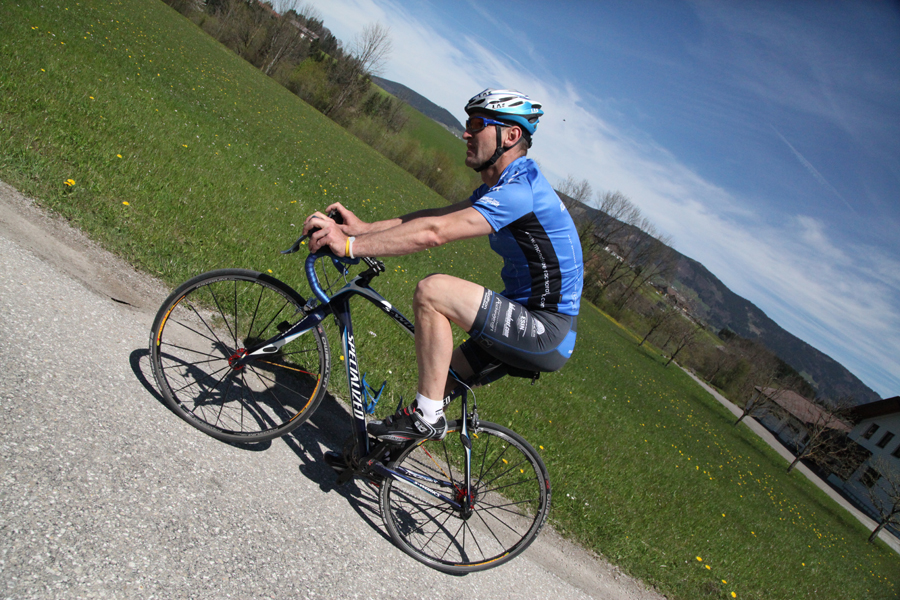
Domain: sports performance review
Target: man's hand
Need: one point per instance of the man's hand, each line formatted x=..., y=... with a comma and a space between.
x=324, y=232
x=352, y=225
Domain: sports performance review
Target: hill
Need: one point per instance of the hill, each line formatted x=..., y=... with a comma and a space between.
x=421, y=103
x=714, y=303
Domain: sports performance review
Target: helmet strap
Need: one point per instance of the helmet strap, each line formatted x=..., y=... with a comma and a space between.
x=497, y=153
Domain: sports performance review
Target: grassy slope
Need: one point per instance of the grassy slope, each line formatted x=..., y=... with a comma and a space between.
x=216, y=163
x=434, y=135
x=431, y=134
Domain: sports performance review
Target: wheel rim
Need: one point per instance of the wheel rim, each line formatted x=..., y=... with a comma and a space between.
x=200, y=345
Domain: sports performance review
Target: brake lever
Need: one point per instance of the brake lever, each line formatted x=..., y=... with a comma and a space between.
x=296, y=245
x=334, y=215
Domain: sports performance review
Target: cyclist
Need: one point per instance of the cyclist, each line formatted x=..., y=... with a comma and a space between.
x=531, y=325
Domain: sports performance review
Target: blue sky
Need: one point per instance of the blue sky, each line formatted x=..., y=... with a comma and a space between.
x=763, y=137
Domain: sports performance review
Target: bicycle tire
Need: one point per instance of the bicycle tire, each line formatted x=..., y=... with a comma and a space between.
x=212, y=318
x=511, y=491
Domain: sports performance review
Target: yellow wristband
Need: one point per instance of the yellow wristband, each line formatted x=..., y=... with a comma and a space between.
x=347, y=248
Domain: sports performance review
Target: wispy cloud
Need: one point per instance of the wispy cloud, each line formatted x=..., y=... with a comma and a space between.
x=813, y=171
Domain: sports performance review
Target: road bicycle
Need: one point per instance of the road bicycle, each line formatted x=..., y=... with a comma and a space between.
x=243, y=357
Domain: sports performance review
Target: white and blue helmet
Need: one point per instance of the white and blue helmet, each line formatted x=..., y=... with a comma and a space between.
x=507, y=105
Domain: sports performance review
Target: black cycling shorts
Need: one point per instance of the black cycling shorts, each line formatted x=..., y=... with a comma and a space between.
x=530, y=340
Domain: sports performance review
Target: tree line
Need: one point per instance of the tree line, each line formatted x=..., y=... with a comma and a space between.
x=295, y=49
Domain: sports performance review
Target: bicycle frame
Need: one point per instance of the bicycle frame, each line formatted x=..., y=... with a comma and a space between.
x=316, y=310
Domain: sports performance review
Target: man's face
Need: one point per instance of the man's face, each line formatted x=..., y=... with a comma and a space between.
x=480, y=146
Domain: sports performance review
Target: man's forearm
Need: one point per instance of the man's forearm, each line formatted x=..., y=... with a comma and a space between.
x=391, y=223
x=397, y=237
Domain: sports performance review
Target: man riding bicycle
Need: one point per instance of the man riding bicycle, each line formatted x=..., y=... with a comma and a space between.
x=531, y=325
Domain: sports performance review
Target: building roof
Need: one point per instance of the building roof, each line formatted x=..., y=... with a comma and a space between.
x=803, y=409
x=878, y=408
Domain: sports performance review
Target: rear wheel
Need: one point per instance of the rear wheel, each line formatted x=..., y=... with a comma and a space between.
x=206, y=325
x=509, y=502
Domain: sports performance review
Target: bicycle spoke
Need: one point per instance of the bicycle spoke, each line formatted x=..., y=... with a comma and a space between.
x=212, y=292
x=255, y=311
x=215, y=341
x=213, y=357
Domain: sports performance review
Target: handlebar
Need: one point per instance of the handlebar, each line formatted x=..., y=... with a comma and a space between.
x=313, y=278
x=375, y=265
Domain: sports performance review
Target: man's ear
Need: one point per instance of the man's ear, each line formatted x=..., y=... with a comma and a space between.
x=515, y=135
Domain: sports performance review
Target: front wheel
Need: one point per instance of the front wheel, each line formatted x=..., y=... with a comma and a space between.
x=201, y=330
x=509, y=501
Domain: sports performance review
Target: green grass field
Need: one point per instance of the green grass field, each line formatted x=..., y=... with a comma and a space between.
x=433, y=135
x=126, y=119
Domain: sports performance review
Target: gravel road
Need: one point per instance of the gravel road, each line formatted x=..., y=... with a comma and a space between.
x=104, y=493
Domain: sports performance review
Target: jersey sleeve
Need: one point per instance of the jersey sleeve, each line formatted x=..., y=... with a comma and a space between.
x=504, y=203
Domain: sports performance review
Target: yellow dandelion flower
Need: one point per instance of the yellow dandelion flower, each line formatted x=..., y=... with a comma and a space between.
x=733, y=595
x=699, y=559
x=708, y=567
x=126, y=203
x=269, y=270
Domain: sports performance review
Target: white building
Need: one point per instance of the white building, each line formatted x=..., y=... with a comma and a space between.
x=877, y=431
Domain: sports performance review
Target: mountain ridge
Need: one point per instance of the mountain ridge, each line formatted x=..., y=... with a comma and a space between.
x=421, y=104
x=716, y=304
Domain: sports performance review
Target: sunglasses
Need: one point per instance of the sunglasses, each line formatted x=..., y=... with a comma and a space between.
x=476, y=124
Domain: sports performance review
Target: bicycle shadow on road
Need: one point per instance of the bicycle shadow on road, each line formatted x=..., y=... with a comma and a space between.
x=144, y=375
x=328, y=427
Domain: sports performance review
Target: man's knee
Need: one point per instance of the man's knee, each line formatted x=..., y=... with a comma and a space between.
x=431, y=289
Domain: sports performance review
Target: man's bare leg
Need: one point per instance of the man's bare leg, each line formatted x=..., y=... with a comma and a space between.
x=439, y=301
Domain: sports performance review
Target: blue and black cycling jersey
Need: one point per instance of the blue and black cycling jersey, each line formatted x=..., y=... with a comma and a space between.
x=534, y=233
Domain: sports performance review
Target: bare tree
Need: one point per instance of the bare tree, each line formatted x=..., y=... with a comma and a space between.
x=577, y=190
x=248, y=29
x=636, y=245
x=655, y=261
x=285, y=37
x=661, y=314
x=883, y=491
x=762, y=376
x=823, y=439
x=617, y=212
x=370, y=51
x=683, y=333
x=372, y=47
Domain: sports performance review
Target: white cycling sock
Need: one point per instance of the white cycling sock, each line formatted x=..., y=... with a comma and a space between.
x=432, y=410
